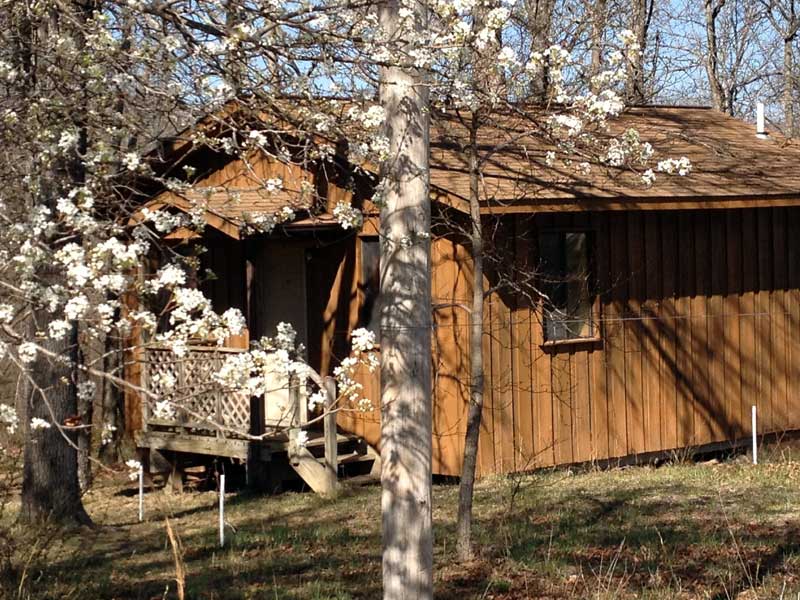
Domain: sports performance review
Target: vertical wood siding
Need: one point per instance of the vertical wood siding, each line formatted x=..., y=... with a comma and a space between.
x=699, y=314
x=699, y=320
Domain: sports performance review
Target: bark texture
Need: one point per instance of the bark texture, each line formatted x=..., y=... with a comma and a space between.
x=539, y=22
x=599, y=13
x=475, y=413
x=788, y=85
x=719, y=98
x=50, y=489
x=783, y=17
x=406, y=331
x=636, y=87
x=112, y=401
x=85, y=413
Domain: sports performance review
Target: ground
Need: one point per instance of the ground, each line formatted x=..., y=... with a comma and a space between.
x=718, y=529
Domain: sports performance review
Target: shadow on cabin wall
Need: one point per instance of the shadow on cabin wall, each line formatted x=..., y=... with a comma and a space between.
x=698, y=315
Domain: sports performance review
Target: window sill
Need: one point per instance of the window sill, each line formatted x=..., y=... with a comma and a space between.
x=587, y=343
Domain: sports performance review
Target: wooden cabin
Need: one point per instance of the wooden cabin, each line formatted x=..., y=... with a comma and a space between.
x=663, y=312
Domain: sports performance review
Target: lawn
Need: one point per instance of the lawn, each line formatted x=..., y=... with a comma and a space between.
x=688, y=530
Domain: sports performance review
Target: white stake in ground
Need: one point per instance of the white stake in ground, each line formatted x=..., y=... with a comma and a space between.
x=222, y=510
x=755, y=438
x=141, y=493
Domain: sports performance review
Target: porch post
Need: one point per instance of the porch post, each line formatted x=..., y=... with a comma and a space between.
x=329, y=432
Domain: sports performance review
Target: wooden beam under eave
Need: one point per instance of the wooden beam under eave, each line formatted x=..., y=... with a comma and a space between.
x=443, y=196
x=182, y=234
x=622, y=204
x=212, y=219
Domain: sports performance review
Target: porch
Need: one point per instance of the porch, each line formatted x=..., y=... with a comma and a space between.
x=188, y=414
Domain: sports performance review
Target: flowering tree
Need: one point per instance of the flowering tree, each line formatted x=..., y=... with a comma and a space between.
x=93, y=88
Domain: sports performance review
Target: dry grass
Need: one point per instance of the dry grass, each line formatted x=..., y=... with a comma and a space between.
x=723, y=530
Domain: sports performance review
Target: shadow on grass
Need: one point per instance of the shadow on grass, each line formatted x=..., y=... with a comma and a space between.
x=264, y=556
x=643, y=538
x=649, y=538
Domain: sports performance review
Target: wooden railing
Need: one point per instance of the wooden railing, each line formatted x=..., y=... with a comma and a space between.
x=200, y=416
x=198, y=403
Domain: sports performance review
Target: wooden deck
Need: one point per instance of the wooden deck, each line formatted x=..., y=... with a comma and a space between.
x=205, y=419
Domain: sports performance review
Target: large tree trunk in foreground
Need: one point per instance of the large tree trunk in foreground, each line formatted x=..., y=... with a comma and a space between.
x=467, y=485
x=406, y=332
x=50, y=477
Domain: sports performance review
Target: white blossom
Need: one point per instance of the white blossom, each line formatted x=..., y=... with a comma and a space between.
x=362, y=340
x=163, y=409
x=348, y=216
x=37, y=423
x=131, y=161
x=107, y=434
x=67, y=140
x=682, y=166
x=317, y=399
x=302, y=438
x=274, y=185
x=566, y=125
x=27, y=352
x=167, y=277
x=234, y=320
x=163, y=221
x=165, y=381
x=58, y=329
x=6, y=314
x=134, y=467
x=86, y=391
x=507, y=57
x=9, y=418
x=76, y=307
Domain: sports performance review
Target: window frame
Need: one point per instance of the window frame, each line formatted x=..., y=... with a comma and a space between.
x=595, y=336
x=363, y=284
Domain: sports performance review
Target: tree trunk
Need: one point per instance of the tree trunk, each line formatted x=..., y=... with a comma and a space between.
x=467, y=485
x=641, y=16
x=85, y=413
x=112, y=400
x=405, y=338
x=50, y=476
x=599, y=10
x=788, y=86
x=540, y=18
x=718, y=96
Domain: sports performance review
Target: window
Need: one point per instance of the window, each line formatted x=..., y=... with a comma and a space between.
x=565, y=280
x=370, y=313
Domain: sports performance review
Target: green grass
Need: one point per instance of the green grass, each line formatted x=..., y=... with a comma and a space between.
x=715, y=531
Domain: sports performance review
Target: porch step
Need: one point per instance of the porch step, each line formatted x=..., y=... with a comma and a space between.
x=354, y=458
x=345, y=444
x=341, y=438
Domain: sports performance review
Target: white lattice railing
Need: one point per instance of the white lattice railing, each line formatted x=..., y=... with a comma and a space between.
x=195, y=399
x=197, y=402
